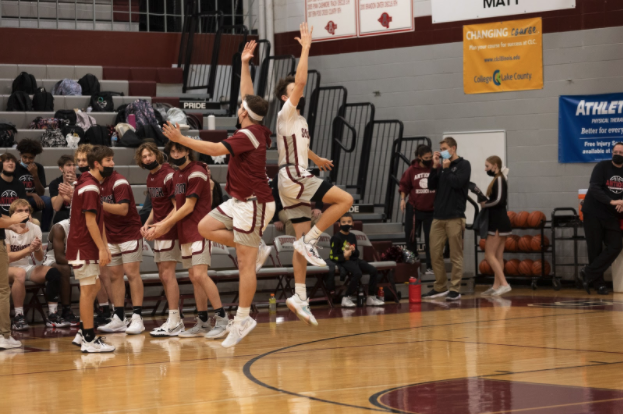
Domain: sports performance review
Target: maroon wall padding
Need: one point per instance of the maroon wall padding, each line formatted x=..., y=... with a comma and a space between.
x=175, y=102
x=143, y=74
x=588, y=14
x=142, y=88
x=88, y=47
x=170, y=75
x=116, y=73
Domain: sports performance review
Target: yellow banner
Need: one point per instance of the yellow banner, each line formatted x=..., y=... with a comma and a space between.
x=500, y=57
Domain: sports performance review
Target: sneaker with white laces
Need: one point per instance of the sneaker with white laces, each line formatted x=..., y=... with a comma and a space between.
x=238, y=330
x=78, y=338
x=9, y=343
x=301, y=309
x=115, y=325
x=136, y=325
x=502, y=290
x=56, y=321
x=168, y=329
x=200, y=329
x=309, y=251
x=96, y=346
x=373, y=301
x=488, y=292
x=262, y=254
x=347, y=302
x=220, y=328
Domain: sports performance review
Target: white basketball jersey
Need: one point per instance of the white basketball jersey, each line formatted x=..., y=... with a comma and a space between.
x=19, y=242
x=292, y=137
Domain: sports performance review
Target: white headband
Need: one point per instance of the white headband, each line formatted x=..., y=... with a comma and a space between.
x=252, y=114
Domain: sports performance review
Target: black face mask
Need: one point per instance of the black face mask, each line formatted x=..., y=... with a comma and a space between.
x=345, y=228
x=490, y=173
x=151, y=165
x=178, y=161
x=427, y=163
x=238, y=125
x=107, y=172
x=25, y=220
x=616, y=158
x=301, y=104
x=83, y=169
x=8, y=173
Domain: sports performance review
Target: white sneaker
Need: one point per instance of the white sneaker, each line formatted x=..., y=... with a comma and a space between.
x=200, y=329
x=115, y=325
x=488, y=292
x=96, y=346
x=309, y=251
x=167, y=330
x=429, y=271
x=301, y=308
x=347, y=302
x=262, y=254
x=373, y=301
x=9, y=343
x=502, y=290
x=238, y=330
x=78, y=338
x=220, y=328
x=136, y=325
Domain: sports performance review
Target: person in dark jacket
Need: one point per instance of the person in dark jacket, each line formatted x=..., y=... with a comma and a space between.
x=450, y=180
x=602, y=209
x=420, y=207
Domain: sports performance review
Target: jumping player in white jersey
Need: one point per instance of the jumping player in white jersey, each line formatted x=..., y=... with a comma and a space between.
x=297, y=187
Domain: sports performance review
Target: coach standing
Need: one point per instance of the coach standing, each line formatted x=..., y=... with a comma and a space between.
x=450, y=180
x=602, y=206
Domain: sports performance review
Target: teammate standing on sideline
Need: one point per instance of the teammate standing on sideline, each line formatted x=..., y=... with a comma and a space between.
x=297, y=187
x=240, y=221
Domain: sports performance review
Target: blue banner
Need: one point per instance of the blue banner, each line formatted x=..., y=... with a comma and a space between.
x=589, y=126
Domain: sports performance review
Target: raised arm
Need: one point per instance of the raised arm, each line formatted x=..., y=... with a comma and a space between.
x=300, y=80
x=246, y=83
x=204, y=147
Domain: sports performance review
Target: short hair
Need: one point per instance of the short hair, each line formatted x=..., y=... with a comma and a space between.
x=258, y=105
x=17, y=203
x=346, y=215
x=7, y=156
x=422, y=150
x=98, y=153
x=149, y=146
x=282, y=87
x=29, y=146
x=82, y=149
x=618, y=143
x=64, y=159
x=179, y=147
x=449, y=141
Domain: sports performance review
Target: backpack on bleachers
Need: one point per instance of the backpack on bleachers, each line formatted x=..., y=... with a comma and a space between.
x=143, y=112
x=53, y=138
x=7, y=134
x=121, y=114
x=25, y=82
x=192, y=121
x=103, y=101
x=43, y=101
x=90, y=84
x=68, y=114
x=67, y=87
x=96, y=135
x=47, y=123
x=74, y=130
x=177, y=116
x=163, y=108
x=19, y=101
x=152, y=133
x=85, y=121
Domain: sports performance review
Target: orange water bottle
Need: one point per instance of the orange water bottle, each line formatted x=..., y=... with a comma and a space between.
x=415, y=290
x=381, y=295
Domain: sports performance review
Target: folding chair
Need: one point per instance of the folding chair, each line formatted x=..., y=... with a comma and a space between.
x=385, y=268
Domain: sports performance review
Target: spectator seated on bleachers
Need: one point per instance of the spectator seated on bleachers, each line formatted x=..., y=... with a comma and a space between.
x=345, y=255
x=25, y=250
x=61, y=188
x=10, y=188
x=32, y=175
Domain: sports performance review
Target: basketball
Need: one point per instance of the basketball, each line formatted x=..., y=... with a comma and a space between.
x=525, y=244
x=536, y=268
x=484, y=268
x=525, y=267
x=521, y=220
x=511, y=243
x=535, y=219
x=511, y=217
x=535, y=244
x=511, y=267
x=482, y=244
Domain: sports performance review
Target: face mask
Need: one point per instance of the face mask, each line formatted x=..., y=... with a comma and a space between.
x=346, y=228
x=8, y=173
x=83, y=169
x=301, y=104
x=445, y=155
x=107, y=172
x=427, y=163
x=24, y=165
x=178, y=161
x=151, y=165
x=25, y=220
x=490, y=173
x=617, y=159
x=238, y=125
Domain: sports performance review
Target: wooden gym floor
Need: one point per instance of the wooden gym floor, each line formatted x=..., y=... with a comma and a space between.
x=541, y=352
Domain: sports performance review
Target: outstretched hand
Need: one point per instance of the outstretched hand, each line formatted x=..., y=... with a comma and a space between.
x=247, y=53
x=324, y=164
x=306, y=36
x=172, y=132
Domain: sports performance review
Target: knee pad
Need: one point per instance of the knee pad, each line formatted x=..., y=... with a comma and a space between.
x=52, y=285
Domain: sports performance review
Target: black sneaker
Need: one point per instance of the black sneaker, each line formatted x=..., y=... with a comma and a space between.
x=102, y=319
x=453, y=296
x=69, y=316
x=434, y=294
x=603, y=290
x=19, y=323
x=55, y=321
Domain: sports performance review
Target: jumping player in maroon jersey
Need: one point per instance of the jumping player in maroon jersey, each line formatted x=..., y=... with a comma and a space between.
x=193, y=200
x=87, y=247
x=240, y=222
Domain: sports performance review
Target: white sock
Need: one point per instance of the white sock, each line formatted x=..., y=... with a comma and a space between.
x=104, y=304
x=19, y=311
x=301, y=290
x=313, y=234
x=174, y=317
x=242, y=313
x=53, y=307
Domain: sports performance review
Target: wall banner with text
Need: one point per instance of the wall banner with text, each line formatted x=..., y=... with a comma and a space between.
x=589, y=126
x=502, y=57
x=457, y=10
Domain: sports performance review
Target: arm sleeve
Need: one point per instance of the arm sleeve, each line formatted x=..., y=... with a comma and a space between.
x=20, y=190
x=459, y=178
x=405, y=182
x=355, y=253
x=433, y=179
x=54, y=188
x=240, y=142
x=497, y=186
x=596, y=185
x=122, y=191
x=337, y=252
x=41, y=172
x=196, y=183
